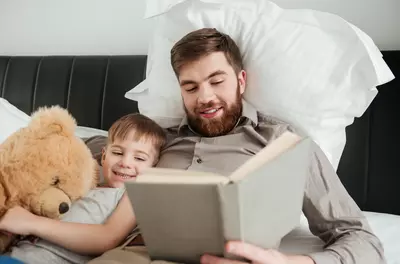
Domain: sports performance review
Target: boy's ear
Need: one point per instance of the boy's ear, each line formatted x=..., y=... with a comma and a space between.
x=103, y=155
x=156, y=161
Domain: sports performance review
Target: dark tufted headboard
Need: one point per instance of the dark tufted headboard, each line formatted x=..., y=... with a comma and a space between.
x=93, y=88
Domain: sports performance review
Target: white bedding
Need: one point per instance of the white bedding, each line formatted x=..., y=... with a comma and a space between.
x=15, y=119
x=300, y=240
x=385, y=226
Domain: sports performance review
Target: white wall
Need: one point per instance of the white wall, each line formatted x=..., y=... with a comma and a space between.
x=73, y=27
x=39, y=27
x=380, y=19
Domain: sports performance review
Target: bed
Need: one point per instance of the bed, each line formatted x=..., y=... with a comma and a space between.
x=92, y=88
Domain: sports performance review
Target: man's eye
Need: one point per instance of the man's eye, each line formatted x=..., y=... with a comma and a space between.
x=191, y=89
x=217, y=82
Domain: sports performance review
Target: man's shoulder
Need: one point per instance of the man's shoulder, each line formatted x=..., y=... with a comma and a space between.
x=171, y=132
x=275, y=126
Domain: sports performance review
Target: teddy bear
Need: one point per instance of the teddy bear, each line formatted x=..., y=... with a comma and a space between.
x=44, y=167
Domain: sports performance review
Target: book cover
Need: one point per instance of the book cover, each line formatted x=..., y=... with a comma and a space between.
x=185, y=214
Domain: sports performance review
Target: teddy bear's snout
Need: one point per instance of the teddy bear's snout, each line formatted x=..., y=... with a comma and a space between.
x=63, y=208
x=52, y=202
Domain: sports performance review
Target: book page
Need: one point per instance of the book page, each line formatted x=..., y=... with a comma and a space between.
x=174, y=176
x=283, y=143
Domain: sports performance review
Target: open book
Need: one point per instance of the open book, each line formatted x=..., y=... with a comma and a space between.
x=184, y=214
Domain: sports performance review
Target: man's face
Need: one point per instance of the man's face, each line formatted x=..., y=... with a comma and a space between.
x=212, y=94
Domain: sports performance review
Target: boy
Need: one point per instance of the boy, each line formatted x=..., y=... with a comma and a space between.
x=101, y=220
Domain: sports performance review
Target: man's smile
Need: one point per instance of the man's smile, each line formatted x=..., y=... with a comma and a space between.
x=210, y=112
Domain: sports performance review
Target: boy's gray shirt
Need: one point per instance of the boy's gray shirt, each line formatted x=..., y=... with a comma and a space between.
x=94, y=208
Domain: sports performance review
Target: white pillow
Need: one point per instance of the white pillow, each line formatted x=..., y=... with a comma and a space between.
x=309, y=68
x=385, y=226
x=13, y=119
x=86, y=132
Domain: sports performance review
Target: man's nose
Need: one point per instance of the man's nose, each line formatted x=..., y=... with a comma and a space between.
x=206, y=94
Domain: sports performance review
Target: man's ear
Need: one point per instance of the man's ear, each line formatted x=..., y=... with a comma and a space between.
x=242, y=78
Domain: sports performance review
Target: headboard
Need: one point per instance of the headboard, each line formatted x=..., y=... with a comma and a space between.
x=93, y=88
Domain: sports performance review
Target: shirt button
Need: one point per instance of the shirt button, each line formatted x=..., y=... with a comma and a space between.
x=199, y=160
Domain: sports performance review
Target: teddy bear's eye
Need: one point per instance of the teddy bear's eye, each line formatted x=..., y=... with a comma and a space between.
x=56, y=181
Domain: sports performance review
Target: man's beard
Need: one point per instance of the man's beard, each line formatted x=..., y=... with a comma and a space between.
x=218, y=126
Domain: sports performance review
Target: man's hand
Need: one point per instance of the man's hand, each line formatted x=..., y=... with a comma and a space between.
x=255, y=255
x=18, y=220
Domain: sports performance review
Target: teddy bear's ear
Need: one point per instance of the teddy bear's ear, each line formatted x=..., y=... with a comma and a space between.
x=54, y=119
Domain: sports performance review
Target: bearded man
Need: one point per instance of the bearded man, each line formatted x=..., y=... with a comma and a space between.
x=221, y=131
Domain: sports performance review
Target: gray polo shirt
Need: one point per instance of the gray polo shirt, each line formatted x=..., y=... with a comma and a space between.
x=331, y=212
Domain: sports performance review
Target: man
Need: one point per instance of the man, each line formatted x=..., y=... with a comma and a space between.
x=220, y=127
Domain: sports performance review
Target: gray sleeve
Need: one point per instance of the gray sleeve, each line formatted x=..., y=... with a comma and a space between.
x=334, y=217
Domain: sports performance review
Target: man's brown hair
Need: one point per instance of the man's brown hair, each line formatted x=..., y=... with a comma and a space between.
x=202, y=42
x=144, y=127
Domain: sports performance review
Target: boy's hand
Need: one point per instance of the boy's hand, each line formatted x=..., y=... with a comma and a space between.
x=18, y=220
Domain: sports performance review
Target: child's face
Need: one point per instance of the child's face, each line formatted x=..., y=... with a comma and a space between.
x=124, y=159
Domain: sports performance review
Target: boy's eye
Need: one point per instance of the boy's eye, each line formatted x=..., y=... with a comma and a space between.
x=117, y=153
x=140, y=159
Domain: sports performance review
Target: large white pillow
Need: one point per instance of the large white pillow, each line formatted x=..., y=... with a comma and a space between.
x=309, y=68
x=13, y=119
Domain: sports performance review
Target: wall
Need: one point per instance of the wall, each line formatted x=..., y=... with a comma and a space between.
x=378, y=18
x=73, y=27
x=39, y=27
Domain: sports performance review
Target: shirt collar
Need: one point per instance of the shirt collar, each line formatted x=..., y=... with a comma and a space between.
x=249, y=113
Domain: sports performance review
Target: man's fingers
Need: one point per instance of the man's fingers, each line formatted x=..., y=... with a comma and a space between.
x=250, y=252
x=208, y=259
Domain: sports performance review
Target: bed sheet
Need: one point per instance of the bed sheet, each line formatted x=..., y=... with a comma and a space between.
x=385, y=226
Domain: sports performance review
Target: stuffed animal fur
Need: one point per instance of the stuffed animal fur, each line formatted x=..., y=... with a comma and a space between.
x=44, y=167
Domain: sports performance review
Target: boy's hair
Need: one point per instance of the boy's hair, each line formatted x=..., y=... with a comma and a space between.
x=144, y=127
x=202, y=42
